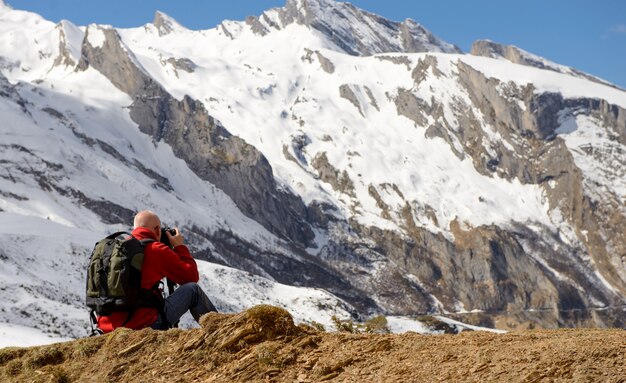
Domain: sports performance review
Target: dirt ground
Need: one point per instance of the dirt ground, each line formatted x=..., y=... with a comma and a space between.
x=263, y=345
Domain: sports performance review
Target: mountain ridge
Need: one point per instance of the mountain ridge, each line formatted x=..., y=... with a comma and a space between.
x=341, y=23
x=488, y=48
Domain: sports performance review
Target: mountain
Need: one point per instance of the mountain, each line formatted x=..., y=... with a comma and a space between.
x=317, y=146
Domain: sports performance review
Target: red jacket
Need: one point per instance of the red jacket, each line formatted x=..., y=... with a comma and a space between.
x=159, y=262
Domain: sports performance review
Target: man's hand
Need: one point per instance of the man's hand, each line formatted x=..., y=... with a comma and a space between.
x=177, y=239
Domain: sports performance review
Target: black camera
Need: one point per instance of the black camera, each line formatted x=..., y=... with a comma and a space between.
x=164, y=238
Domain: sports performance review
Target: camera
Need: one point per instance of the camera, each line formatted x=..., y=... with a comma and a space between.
x=164, y=238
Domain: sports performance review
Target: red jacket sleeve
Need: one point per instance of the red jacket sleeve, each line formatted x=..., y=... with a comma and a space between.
x=177, y=265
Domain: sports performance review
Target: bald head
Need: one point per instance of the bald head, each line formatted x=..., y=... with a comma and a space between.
x=149, y=220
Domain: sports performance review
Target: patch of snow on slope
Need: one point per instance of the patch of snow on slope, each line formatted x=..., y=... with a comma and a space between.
x=95, y=36
x=28, y=45
x=234, y=290
x=399, y=325
x=12, y=335
x=600, y=158
x=464, y=326
x=43, y=280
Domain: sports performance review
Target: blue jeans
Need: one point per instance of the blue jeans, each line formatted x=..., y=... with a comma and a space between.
x=188, y=297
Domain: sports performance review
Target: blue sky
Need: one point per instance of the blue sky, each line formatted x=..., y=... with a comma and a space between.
x=586, y=34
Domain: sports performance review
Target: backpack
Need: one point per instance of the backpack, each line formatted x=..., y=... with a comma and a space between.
x=114, y=276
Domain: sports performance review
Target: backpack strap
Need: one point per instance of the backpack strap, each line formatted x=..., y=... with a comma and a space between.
x=95, y=330
x=117, y=234
x=149, y=297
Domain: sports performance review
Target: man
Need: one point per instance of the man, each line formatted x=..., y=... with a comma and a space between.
x=162, y=262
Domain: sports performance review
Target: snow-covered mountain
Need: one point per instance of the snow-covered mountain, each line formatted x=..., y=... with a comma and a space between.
x=367, y=163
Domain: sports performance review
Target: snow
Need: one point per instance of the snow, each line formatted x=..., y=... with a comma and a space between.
x=235, y=291
x=28, y=45
x=464, y=326
x=12, y=335
x=95, y=36
x=399, y=325
x=600, y=158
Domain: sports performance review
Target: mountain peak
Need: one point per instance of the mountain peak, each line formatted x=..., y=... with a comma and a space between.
x=70, y=38
x=351, y=29
x=303, y=6
x=4, y=6
x=165, y=24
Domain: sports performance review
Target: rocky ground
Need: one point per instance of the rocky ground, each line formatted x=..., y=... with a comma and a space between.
x=263, y=345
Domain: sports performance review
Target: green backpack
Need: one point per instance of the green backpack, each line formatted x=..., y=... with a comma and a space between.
x=114, y=276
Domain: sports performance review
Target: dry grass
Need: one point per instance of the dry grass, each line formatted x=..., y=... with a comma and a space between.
x=263, y=345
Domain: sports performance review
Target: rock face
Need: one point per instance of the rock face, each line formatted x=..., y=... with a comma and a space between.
x=164, y=24
x=211, y=151
x=336, y=20
x=491, y=49
x=551, y=161
x=65, y=57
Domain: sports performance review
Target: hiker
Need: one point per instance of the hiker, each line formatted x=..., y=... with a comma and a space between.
x=161, y=261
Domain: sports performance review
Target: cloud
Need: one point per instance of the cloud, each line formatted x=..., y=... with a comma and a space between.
x=616, y=30
x=619, y=29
